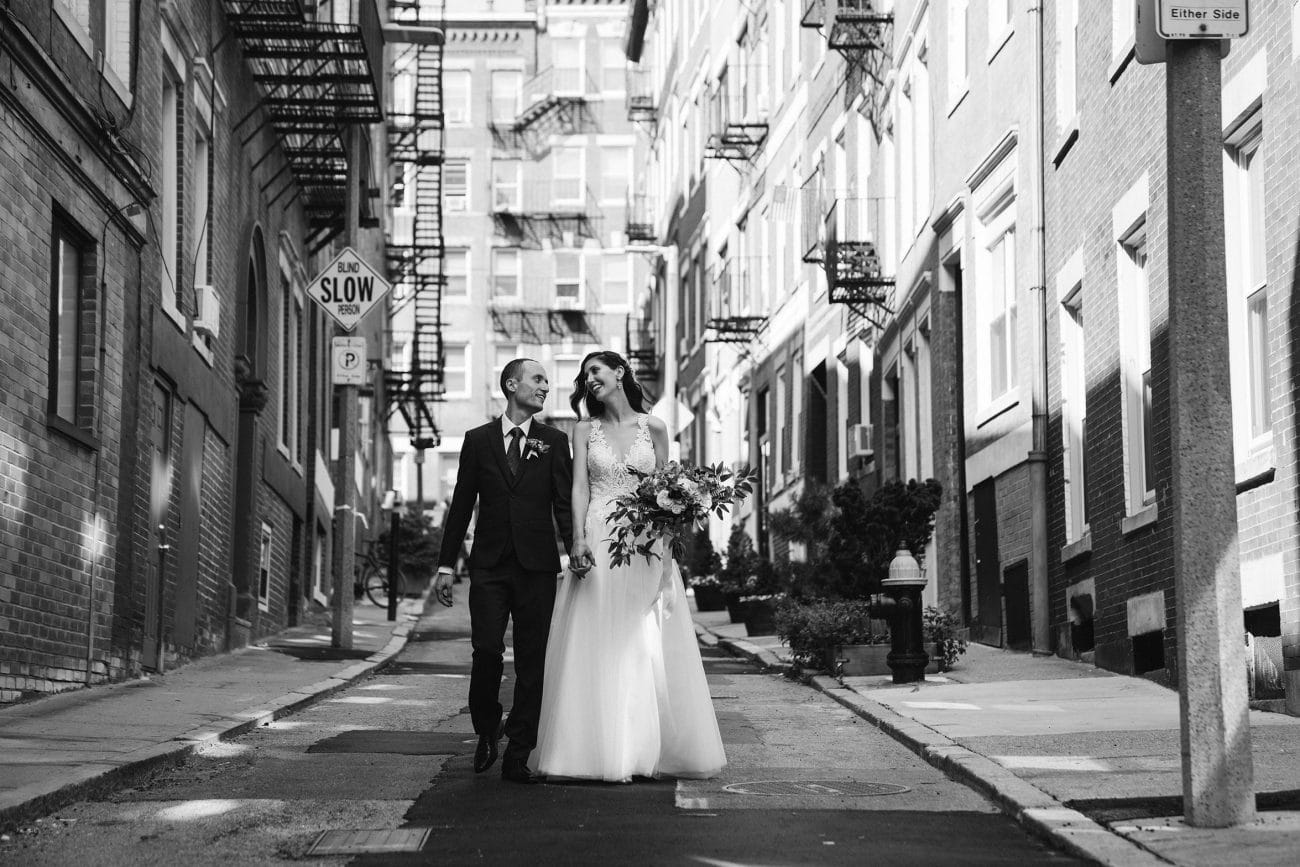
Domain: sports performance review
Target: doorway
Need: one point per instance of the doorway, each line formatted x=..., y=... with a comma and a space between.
x=987, y=628
x=160, y=492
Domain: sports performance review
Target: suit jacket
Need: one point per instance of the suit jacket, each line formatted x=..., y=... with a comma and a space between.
x=511, y=510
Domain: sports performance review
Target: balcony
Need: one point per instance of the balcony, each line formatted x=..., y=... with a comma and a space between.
x=853, y=26
x=641, y=100
x=561, y=209
x=740, y=126
x=855, y=273
x=640, y=218
x=733, y=300
x=641, y=351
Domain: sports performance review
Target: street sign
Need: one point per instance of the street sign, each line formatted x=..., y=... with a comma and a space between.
x=347, y=288
x=349, y=360
x=1202, y=19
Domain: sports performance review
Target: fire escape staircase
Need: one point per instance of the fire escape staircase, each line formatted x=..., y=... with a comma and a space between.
x=731, y=320
x=415, y=253
x=862, y=34
x=540, y=213
x=316, y=79
x=855, y=274
x=555, y=104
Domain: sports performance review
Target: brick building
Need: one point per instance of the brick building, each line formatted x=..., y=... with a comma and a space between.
x=166, y=458
x=534, y=197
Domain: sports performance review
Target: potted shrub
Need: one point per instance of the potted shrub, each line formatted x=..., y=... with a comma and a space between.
x=817, y=629
x=739, y=571
x=708, y=593
x=763, y=593
x=703, y=566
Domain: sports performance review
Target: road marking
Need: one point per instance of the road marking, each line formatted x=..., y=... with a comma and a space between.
x=942, y=705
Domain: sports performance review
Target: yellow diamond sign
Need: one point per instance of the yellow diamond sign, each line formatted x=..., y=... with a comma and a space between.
x=347, y=288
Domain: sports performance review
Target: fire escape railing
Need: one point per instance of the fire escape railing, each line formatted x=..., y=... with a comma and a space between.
x=641, y=100
x=739, y=126
x=733, y=301
x=316, y=79
x=640, y=218
x=855, y=273
x=641, y=352
x=415, y=252
x=563, y=210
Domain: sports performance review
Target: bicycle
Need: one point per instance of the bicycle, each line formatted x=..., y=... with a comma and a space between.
x=372, y=575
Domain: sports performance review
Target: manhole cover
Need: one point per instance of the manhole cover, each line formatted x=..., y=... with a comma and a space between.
x=320, y=654
x=823, y=788
x=397, y=743
x=367, y=842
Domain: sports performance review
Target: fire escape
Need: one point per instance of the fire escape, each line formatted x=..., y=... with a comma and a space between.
x=316, y=79
x=740, y=117
x=554, y=103
x=562, y=209
x=641, y=352
x=861, y=33
x=855, y=274
x=731, y=318
x=415, y=250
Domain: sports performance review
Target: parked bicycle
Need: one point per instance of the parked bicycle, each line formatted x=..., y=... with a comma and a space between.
x=372, y=574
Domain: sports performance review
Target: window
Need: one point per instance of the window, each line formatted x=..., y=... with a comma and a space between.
x=264, y=568
x=1000, y=12
x=455, y=370
x=456, y=96
x=958, y=50
x=507, y=93
x=456, y=270
x=613, y=66
x=1074, y=413
x=171, y=197
x=505, y=185
x=566, y=371
x=1067, y=59
x=403, y=92
x=455, y=186
x=614, y=165
x=568, y=176
x=104, y=28
x=202, y=182
x=568, y=277
x=995, y=287
x=72, y=329
x=505, y=273
x=1135, y=367
x=1248, y=284
x=617, y=285
x=567, y=62
x=504, y=354
x=290, y=369
x=914, y=146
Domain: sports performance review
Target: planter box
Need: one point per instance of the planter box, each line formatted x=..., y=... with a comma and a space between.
x=734, y=608
x=709, y=599
x=760, y=618
x=869, y=660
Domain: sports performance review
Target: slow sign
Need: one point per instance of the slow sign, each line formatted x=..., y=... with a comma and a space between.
x=347, y=288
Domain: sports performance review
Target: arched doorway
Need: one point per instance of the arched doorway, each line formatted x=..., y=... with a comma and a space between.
x=250, y=380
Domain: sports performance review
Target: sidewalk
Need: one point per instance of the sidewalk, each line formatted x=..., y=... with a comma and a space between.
x=1079, y=754
x=58, y=749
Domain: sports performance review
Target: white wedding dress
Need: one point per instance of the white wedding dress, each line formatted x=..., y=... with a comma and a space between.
x=625, y=693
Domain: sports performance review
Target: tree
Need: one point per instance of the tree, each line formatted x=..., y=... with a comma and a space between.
x=418, y=541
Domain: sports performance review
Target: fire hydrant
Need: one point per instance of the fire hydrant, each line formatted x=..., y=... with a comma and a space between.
x=901, y=606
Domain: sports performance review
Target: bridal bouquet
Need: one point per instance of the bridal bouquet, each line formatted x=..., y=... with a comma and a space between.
x=669, y=501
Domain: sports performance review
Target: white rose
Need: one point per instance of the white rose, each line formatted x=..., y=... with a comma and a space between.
x=665, y=501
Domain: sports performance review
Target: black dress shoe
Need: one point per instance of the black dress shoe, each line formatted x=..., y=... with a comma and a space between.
x=485, y=754
x=515, y=771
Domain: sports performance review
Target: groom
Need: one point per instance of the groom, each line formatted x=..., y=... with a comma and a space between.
x=519, y=470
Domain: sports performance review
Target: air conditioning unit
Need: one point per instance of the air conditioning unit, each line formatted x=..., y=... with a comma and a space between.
x=566, y=302
x=207, y=320
x=860, y=438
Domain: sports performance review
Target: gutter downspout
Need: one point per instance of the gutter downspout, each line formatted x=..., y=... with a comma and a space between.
x=1040, y=616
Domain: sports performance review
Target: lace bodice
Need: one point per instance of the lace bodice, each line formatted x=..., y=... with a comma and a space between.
x=607, y=471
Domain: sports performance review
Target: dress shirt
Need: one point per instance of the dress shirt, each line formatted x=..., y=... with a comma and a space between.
x=507, y=426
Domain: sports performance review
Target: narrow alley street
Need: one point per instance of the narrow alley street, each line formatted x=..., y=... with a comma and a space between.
x=808, y=783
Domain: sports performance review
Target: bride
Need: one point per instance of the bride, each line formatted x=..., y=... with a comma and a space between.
x=624, y=692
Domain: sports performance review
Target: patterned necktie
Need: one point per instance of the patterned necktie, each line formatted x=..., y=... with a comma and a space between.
x=513, y=458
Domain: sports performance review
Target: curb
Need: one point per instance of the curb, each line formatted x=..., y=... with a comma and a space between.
x=1043, y=815
x=40, y=799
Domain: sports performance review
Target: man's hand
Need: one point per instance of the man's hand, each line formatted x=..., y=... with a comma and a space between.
x=442, y=586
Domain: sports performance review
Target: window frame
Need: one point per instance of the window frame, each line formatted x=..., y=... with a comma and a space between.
x=264, y=558
x=467, y=369
x=997, y=228
x=449, y=253
x=515, y=202
x=580, y=299
x=579, y=180
x=1134, y=282
x=79, y=419
x=466, y=117
x=1074, y=397
x=464, y=195
x=494, y=96
x=497, y=254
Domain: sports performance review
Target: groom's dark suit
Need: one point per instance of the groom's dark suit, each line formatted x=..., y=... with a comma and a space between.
x=513, y=565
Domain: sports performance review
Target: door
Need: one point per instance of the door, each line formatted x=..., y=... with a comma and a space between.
x=160, y=492
x=987, y=628
x=1015, y=590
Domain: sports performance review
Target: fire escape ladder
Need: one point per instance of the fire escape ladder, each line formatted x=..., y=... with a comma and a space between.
x=416, y=252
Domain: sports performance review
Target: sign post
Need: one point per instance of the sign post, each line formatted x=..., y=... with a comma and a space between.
x=347, y=289
x=1218, y=774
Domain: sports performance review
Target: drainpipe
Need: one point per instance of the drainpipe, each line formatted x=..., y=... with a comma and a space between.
x=1038, y=558
x=672, y=282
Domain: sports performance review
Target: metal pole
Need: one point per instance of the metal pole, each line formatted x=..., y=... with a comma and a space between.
x=345, y=487
x=672, y=281
x=394, y=560
x=1218, y=774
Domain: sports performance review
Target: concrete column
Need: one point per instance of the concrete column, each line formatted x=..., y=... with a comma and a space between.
x=1218, y=775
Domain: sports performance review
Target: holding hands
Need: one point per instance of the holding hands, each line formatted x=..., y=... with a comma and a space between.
x=581, y=560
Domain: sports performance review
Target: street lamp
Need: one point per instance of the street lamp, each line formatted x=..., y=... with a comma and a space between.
x=907, y=658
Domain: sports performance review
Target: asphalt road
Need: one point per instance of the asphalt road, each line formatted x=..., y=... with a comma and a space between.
x=807, y=783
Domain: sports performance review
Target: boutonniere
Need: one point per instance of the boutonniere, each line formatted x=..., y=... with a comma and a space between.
x=535, y=447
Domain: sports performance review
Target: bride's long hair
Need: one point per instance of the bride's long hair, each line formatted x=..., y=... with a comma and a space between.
x=582, y=398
